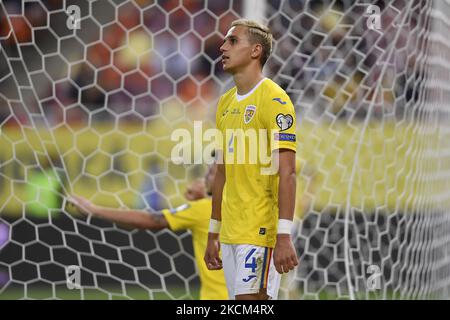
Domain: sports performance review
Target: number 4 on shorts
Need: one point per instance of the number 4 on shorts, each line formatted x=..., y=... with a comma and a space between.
x=251, y=265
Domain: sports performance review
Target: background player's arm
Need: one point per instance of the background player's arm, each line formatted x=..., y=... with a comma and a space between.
x=285, y=258
x=134, y=218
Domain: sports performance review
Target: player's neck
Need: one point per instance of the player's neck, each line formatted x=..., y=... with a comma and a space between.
x=247, y=80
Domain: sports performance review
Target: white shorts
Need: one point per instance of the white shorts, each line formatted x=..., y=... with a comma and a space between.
x=249, y=268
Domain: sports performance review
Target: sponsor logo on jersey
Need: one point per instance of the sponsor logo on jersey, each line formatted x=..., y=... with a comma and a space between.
x=249, y=113
x=279, y=100
x=250, y=277
x=284, y=137
x=262, y=231
x=225, y=112
x=284, y=121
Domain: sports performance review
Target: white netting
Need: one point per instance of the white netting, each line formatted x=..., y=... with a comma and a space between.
x=90, y=110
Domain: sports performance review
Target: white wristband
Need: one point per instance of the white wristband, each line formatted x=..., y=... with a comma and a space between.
x=214, y=226
x=284, y=226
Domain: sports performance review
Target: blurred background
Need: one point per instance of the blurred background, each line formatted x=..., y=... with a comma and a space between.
x=90, y=108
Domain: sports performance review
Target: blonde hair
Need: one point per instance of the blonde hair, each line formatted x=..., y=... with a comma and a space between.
x=257, y=33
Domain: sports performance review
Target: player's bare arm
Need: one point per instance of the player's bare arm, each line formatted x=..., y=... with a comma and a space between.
x=212, y=259
x=134, y=218
x=285, y=257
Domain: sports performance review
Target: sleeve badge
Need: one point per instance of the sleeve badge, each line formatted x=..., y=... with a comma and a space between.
x=284, y=121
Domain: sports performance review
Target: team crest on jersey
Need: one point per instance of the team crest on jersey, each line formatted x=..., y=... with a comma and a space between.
x=249, y=113
x=284, y=121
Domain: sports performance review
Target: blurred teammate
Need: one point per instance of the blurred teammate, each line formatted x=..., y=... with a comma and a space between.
x=194, y=215
x=253, y=212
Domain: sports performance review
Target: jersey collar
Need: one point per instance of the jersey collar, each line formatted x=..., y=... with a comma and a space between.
x=242, y=97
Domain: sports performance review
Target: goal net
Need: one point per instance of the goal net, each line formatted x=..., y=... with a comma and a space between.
x=91, y=91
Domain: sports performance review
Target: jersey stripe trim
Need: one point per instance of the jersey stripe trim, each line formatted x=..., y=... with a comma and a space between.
x=268, y=268
x=263, y=274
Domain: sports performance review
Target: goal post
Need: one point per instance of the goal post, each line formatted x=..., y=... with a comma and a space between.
x=255, y=10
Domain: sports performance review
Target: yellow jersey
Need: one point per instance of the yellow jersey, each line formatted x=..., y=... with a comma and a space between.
x=195, y=216
x=250, y=198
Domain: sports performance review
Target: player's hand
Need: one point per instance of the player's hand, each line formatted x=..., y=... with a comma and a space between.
x=284, y=256
x=83, y=205
x=212, y=259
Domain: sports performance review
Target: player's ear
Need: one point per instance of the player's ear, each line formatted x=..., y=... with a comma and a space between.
x=256, y=51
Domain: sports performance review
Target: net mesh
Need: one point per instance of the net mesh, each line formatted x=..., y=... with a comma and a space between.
x=90, y=92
